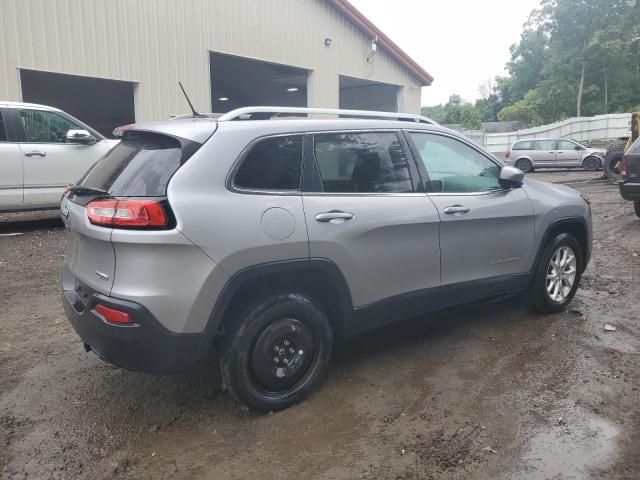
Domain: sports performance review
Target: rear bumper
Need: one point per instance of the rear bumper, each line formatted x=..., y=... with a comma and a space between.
x=146, y=346
x=629, y=190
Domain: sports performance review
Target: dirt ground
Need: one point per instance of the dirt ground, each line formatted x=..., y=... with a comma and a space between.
x=487, y=391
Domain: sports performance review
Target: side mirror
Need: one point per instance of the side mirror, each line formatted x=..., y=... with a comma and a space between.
x=578, y=147
x=511, y=177
x=82, y=137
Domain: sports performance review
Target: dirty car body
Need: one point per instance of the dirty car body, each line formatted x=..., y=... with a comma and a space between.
x=268, y=238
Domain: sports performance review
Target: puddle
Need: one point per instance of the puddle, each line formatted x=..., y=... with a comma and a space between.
x=569, y=450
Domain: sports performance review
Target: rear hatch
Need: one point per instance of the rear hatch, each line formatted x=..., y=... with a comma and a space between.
x=126, y=189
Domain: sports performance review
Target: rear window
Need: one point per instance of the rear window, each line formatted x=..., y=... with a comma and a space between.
x=141, y=165
x=634, y=149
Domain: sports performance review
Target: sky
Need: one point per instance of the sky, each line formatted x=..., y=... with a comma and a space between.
x=461, y=43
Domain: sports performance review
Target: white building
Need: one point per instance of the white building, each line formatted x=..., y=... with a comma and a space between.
x=111, y=62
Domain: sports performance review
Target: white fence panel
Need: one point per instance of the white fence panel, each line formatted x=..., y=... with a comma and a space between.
x=613, y=125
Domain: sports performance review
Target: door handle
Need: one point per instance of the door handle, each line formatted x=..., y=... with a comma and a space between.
x=334, y=215
x=455, y=209
x=35, y=152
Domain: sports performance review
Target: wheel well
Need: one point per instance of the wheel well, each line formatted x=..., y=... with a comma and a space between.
x=310, y=281
x=576, y=229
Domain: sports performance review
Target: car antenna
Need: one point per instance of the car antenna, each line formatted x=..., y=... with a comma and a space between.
x=193, y=110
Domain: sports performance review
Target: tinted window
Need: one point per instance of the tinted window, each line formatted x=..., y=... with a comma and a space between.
x=634, y=149
x=566, y=145
x=3, y=131
x=545, y=144
x=45, y=127
x=141, y=165
x=455, y=167
x=362, y=162
x=272, y=164
x=523, y=146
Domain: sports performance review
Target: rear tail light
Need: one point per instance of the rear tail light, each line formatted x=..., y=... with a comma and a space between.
x=507, y=154
x=115, y=316
x=127, y=213
x=624, y=167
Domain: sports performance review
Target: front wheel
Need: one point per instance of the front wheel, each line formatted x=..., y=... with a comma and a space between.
x=276, y=351
x=557, y=275
x=636, y=207
x=591, y=163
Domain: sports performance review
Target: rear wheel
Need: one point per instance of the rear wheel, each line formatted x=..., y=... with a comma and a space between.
x=557, y=275
x=591, y=163
x=524, y=164
x=636, y=207
x=277, y=351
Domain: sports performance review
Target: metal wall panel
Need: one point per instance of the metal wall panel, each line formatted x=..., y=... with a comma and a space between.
x=158, y=42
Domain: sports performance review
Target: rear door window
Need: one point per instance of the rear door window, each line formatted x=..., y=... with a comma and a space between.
x=272, y=164
x=141, y=165
x=369, y=162
x=523, y=146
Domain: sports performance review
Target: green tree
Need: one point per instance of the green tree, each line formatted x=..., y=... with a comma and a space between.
x=523, y=113
x=578, y=57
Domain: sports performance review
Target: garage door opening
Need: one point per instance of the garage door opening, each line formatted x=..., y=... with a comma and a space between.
x=102, y=104
x=359, y=94
x=241, y=82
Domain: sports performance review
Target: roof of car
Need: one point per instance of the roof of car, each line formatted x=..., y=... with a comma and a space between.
x=8, y=104
x=199, y=129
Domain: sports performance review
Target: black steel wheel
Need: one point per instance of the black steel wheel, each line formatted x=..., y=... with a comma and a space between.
x=276, y=351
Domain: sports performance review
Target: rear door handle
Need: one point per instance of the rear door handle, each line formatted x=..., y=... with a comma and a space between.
x=34, y=153
x=336, y=215
x=453, y=209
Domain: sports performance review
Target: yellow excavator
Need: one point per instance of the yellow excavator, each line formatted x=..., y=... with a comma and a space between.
x=615, y=152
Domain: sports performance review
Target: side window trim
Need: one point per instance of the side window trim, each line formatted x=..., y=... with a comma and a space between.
x=463, y=141
x=230, y=180
x=315, y=187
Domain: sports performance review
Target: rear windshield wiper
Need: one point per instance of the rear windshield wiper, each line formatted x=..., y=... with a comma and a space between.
x=82, y=190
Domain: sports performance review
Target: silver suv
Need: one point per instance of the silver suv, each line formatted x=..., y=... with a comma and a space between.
x=527, y=155
x=266, y=239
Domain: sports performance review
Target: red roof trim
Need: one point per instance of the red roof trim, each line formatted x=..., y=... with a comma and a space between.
x=364, y=24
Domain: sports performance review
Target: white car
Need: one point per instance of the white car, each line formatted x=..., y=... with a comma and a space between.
x=42, y=150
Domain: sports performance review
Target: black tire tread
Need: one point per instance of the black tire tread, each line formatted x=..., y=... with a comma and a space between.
x=235, y=384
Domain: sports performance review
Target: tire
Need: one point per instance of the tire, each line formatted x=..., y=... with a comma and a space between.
x=539, y=298
x=276, y=352
x=592, y=164
x=611, y=164
x=524, y=164
x=636, y=207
